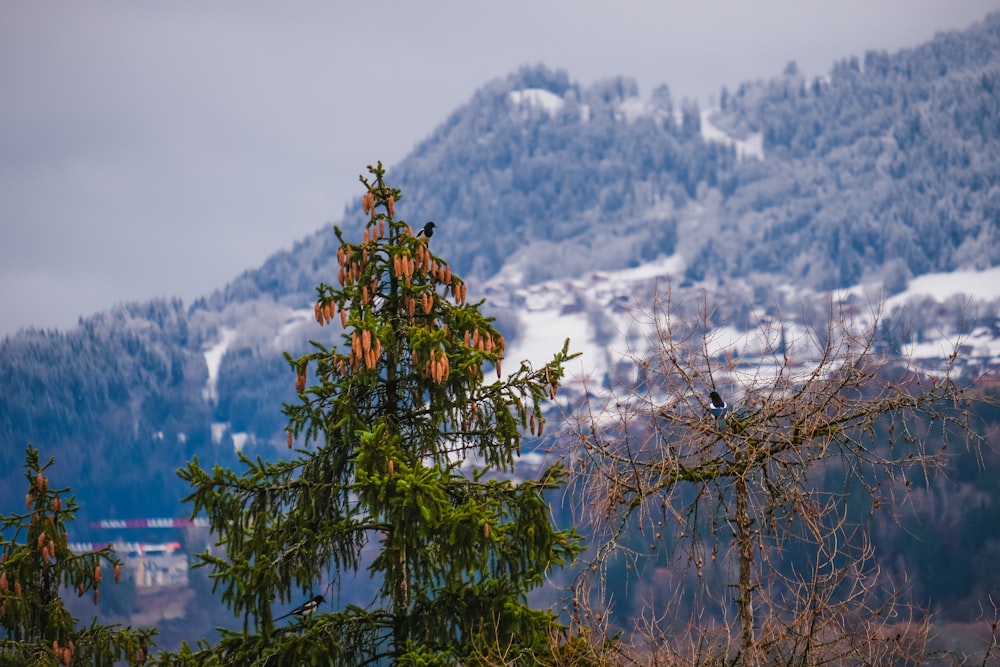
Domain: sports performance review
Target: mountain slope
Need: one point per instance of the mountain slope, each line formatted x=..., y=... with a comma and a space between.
x=887, y=169
x=116, y=400
x=890, y=162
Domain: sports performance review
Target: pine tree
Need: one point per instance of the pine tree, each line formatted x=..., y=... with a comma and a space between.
x=405, y=472
x=35, y=626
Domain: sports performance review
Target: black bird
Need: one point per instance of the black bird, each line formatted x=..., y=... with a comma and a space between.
x=718, y=407
x=306, y=609
x=427, y=232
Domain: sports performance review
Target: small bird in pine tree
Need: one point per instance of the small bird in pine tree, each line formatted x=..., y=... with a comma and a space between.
x=306, y=609
x=427, y=232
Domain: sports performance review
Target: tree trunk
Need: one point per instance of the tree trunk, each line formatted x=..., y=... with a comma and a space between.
x=744, y=537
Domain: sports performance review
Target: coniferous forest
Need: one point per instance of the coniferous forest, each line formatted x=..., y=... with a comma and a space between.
x=883, y=171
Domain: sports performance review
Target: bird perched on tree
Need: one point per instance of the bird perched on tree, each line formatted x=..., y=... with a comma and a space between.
x=306, y=609
x=427, y=232
x=718, y=406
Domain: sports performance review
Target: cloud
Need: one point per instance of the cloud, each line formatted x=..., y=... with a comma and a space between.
x=162, y=149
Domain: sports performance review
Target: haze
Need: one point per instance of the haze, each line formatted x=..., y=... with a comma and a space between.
x=160, y=149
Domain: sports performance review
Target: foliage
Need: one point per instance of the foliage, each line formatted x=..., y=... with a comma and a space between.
x=885, y=163
x=575, y=186
x=122, y=387
x=36, y=564
x=883, y=168
x=407, y=478
x=749, y=531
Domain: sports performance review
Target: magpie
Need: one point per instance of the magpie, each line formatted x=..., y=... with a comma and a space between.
x=718, y=407
x=306, y=609
x=427, y=232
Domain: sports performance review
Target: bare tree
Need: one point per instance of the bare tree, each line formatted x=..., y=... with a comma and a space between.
x=727, y=490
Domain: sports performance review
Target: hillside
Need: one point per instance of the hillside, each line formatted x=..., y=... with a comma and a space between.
x=890, y=163
x=887, y=169
x=546, y=195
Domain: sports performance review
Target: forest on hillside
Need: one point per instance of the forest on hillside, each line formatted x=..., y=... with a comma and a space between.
x=885, y=170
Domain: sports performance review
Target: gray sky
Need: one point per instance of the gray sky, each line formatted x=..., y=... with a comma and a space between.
x=160, y=149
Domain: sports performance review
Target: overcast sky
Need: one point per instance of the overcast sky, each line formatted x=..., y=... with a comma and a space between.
x=160, y=149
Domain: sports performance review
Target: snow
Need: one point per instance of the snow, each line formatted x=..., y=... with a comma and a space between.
x=663, y=267
x=751, y=147
x=544, y=334
x=981, y=346
x=538, y=98
x=978, y=285
x=533, y=459
x=937, y=348
x=213, y=359
x=978, y=346
x=603, y=306
x=604, y=301
x=975, y=285
x=526, y=466
x=633, y=108
x=552, y=316
x=294, y=321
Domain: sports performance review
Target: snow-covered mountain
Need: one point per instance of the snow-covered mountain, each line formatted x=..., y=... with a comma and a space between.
x=565, y=206
x=582, y=213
